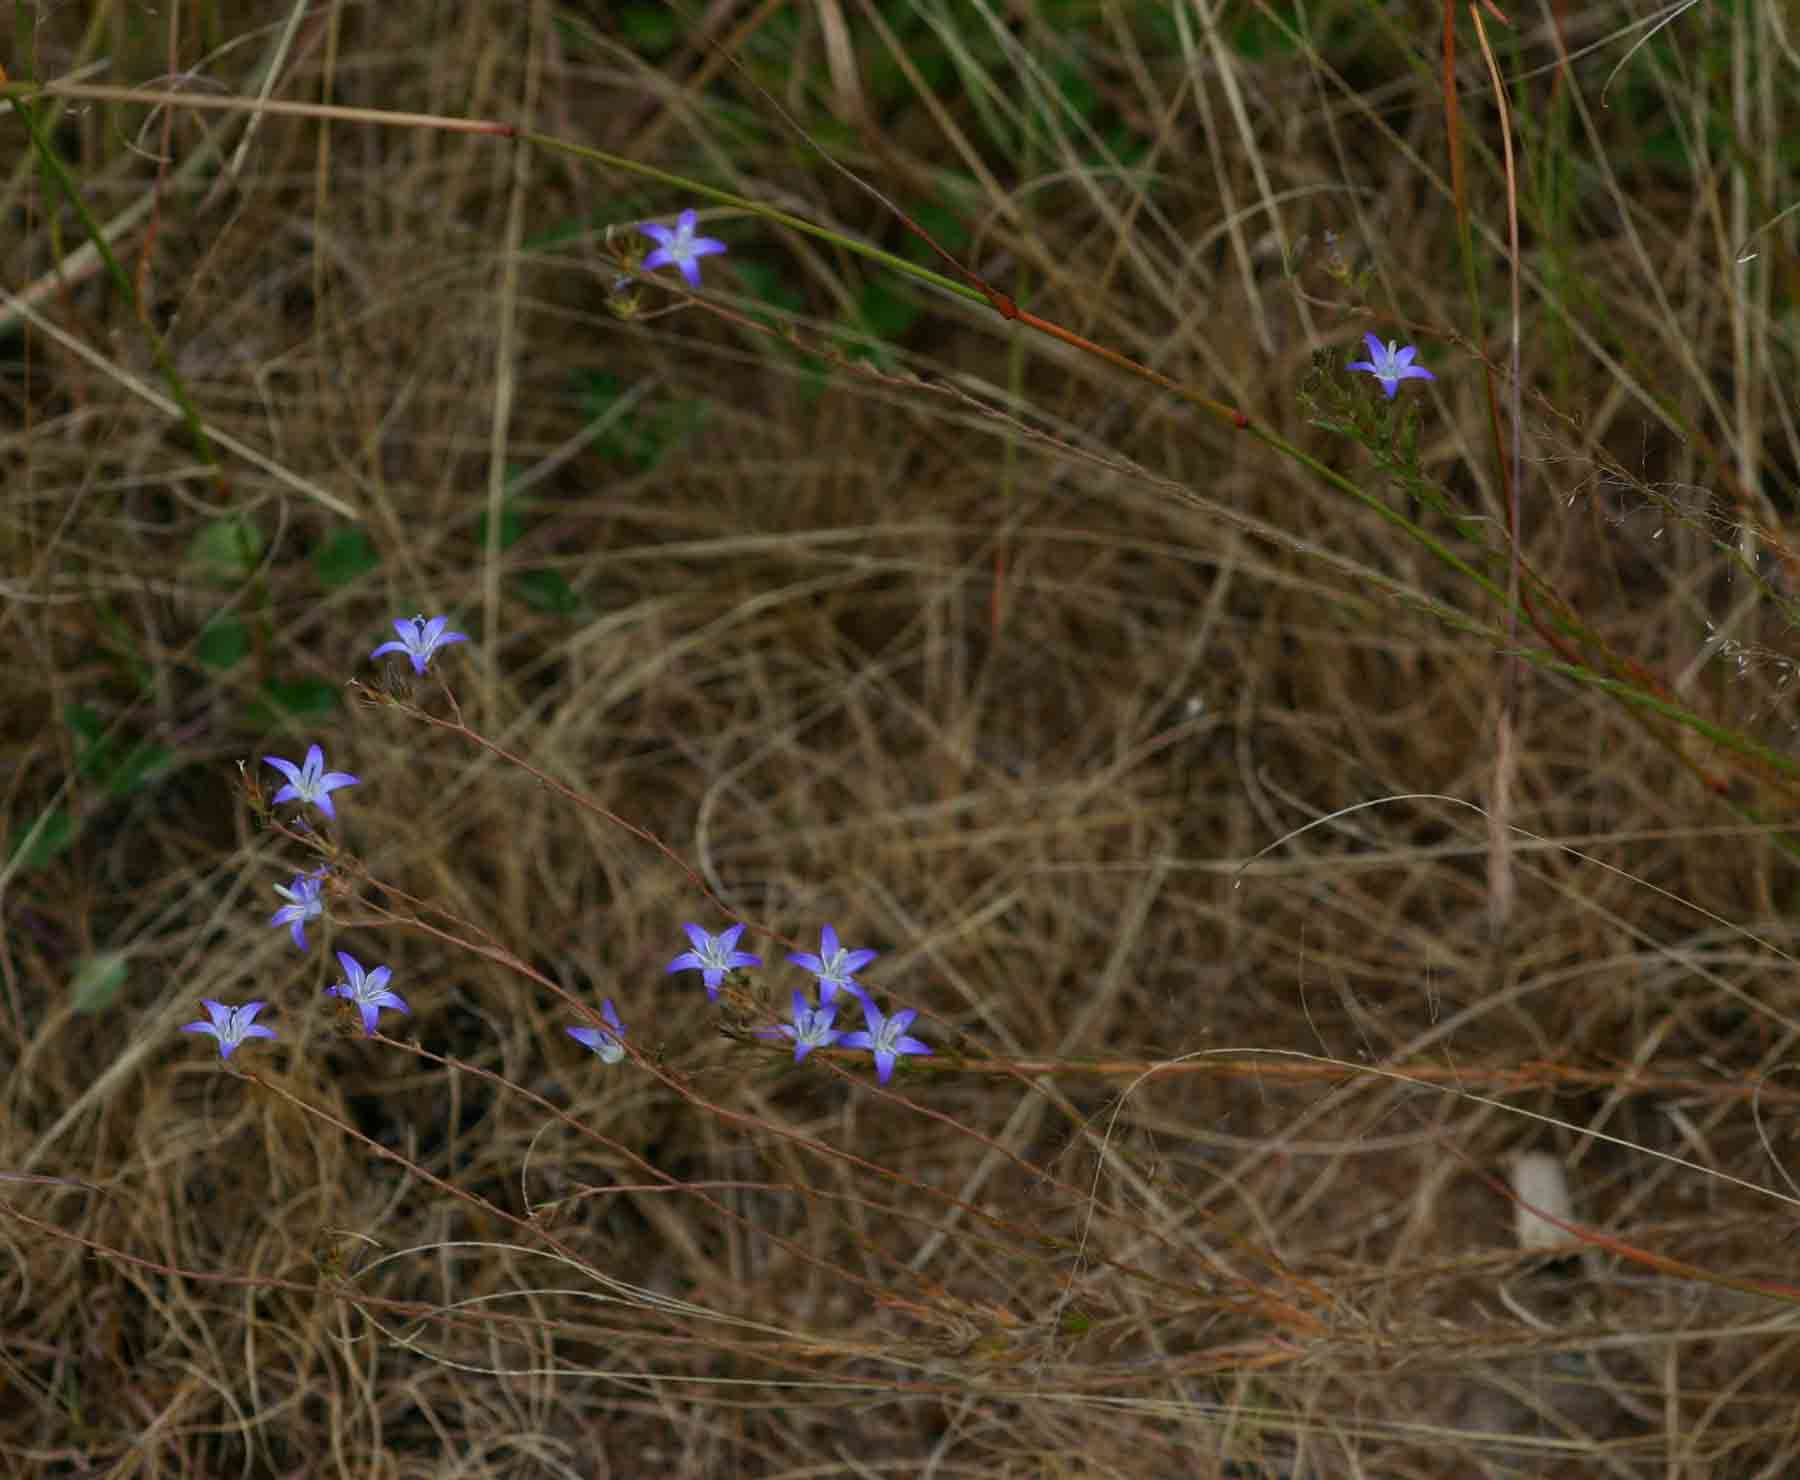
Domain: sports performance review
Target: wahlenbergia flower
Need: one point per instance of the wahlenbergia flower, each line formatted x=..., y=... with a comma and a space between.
x=419, y=639
x=367, y=989
x=835, y=967
x=608, y=1042
x=230, y=1025
x=309, y=782
x=713, y=956
x=1390, y=364
x=811, y=1028
x=303, y=903
x=680, y=247
x=886, y=1038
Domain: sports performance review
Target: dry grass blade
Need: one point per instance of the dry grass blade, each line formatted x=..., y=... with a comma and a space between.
x=1076, y=631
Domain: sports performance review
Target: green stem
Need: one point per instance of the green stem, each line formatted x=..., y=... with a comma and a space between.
x=56, y=171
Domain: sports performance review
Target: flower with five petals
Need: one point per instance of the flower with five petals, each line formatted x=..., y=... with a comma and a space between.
x=419, y=639
x=811, y=1028
x=303, y=903
x=230, y=1025
x=886, y=1038
x=608, y=1042
x=713, y=956
x=835, y=967
x=679, y=247
x=366, y=990
x=309, y=782
x=1390, y=364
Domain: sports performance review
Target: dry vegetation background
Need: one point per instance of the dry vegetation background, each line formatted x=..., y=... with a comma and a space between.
x=880, y=611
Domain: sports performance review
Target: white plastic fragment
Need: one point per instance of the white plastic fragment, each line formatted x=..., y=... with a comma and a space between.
x=1538, y=1179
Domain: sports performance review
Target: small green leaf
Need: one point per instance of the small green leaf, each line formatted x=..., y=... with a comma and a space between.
x=762, y=280
x=226, y=551
x=814, y=379
x=883, y=312
x=568, y=229
x=597, y=392
x=946, y=229
x=642, y=435
x=85, y=725
x=669, y=426
x=1265, y=35
x=511, y=526
x=548, y=592
x=223, y=643
x=1127, y=148
x=95, y=755
x=141, y=764
x=54, y=836
x=101, y=759
x=99, y=982
x=1076, y=90
x=344, y=557
x=650, y=29
x=306, y=700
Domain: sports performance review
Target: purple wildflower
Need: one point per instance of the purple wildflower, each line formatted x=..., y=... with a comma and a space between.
x=1390, y=364
x=886, y=1038
x=420, y=639
x=309, y=782
x=713, y=956
x=679, y=248
x=608, y=1042
x=835, y=967
x=303, y=903
x=230, y=1025
x=811, y=1028
x=368, y=990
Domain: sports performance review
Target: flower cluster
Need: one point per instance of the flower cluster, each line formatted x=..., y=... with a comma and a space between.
x=715, y=957
x=311, y=785
x=813, y=1025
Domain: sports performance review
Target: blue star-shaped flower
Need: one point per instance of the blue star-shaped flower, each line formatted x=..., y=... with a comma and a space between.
x=419, y=639
x=608, y=1042
x=713, y=956
x=1390, y=364
x=309, y=782
x=303, y=903
x=811, y=1028
x=230, y=1025
x=886, y=1038
x=680, y=247
x=367, y=989
x=835, y=967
